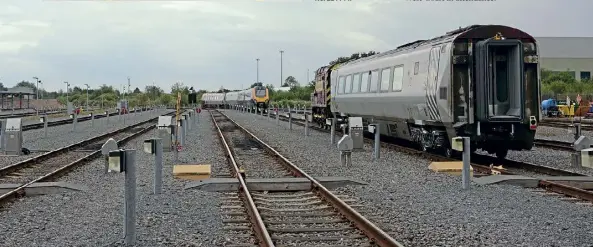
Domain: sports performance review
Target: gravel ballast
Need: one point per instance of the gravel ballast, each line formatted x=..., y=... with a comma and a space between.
x=423, y=208
x=559, y=134
x=63, y=135
x=177, y=217
x=547, y=156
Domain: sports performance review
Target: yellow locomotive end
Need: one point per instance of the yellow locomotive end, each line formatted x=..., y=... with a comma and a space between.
x=260, y=96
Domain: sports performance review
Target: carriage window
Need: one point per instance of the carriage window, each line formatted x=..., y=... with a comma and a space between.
x=364, y=87
x=374, y=80
x=398, y=78
x=349, y=83
x=385, y=74
x=356, y=83
x=342, y=85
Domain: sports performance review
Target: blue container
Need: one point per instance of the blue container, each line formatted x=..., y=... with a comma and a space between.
x=548, y=104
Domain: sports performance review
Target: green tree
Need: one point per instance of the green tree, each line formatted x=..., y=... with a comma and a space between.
x=290, y=81
x=153, y=92
x=165, y=99
x=26, y=84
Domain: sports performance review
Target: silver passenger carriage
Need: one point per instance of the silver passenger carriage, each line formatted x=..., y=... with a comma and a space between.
x=481, y=81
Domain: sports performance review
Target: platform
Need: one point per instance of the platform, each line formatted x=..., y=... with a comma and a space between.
x=44, y=188
x=583, y=182
x=269, y=184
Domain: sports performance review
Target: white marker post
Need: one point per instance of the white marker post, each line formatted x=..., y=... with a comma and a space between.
x=125, y=161
x=155, y=146
x=463, y=144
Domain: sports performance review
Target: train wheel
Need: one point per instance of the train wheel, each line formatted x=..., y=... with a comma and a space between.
x=449, y=153
x=502, y=153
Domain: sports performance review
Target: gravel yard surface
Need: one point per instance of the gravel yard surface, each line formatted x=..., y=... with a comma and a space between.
x=421, y=208
x=559, y=134
x=63, y=135
x=547, y=156
x=176, y=217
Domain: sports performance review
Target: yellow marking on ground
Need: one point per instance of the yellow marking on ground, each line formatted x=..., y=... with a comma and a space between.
x=449, y=167
x=192, y=172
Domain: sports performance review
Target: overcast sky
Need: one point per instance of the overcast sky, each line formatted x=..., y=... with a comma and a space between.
x=215, y=43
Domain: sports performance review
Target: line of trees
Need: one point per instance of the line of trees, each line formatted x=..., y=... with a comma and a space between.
x=561, y=83
x=107, y=96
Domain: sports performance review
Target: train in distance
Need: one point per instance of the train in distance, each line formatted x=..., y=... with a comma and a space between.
x=256, y=97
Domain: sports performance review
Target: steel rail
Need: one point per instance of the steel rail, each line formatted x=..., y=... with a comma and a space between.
x=264, y=238
x=368, y=228
x=68, y=121
x=33, y=160
x=29, y=114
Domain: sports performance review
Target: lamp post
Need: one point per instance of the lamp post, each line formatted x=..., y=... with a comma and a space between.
x=41, y=91
x=37, y=87
x=67, y=91
x=257, y=70
x=281, y=77
x=87, y=96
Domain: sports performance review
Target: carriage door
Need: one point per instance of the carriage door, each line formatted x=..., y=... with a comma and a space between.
x=431, y=86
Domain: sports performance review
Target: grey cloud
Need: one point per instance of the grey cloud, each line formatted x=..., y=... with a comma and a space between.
x=103, y=42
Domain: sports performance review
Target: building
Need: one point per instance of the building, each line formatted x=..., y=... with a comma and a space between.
x=282, y=89
x=572, y=54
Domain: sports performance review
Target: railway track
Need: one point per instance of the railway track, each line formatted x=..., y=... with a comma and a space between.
x=487, y=165
x=69, y=121
x=54, y=163
x=317, y=217
x=554, y=144
x=566, y=124
x=28, y=114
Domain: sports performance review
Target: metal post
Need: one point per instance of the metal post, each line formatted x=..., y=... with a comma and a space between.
x=92, y=119
x=577, y=131
x=289, y=119
x=74, y=121
x=278, y=117
x=281, y=78
x=107, y=116
x=377, y=149
x=130, y=198
x=268, y=112
x=306, y=125
x=348, y=158
x=158, y=166
x=2, y=137
x=182, y=132
x=87, y=96
x=466, y=163
x=45, y=126
x=333, y=131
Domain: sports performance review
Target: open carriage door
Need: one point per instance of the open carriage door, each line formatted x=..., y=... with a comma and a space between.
x=499, y=80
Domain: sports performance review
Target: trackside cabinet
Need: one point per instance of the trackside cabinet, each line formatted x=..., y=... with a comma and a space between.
x=355, y=128
x=14, y=136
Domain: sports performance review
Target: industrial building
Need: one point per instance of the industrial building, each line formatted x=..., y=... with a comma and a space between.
x=572, y=54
